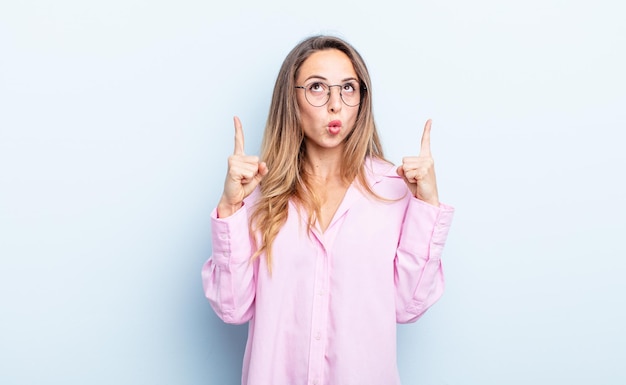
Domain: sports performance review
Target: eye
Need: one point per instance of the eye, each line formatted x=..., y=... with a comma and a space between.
x=349, y=87
x=317, y=88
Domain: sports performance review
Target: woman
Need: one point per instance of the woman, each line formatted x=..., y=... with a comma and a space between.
x=323, y=246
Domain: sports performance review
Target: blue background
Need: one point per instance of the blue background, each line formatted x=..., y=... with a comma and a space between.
x=115, y=126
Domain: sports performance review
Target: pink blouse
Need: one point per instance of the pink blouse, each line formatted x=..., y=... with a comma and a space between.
x=328, y=313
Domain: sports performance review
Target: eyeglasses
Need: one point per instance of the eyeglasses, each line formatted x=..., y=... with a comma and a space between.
x=318, y=93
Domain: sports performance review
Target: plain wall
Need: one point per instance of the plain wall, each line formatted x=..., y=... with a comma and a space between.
x=115, y=126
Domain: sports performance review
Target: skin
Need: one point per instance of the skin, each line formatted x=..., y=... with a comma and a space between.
x=332, y=66
x=419, y=171
x=324, y=148
x=243, y=175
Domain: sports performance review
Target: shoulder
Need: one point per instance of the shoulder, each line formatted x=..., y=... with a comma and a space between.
x=378, y=165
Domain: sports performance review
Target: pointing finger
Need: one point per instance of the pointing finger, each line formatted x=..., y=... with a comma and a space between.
x=238, y=137
x=425, y=147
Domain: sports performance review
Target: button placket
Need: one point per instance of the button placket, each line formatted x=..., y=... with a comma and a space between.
x=319, y=317
x=321, y=298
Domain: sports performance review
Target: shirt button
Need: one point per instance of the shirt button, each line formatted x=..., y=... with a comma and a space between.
x=315, y=382
x=318, y=335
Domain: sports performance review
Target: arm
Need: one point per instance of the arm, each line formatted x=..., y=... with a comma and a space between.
x=418, y=272
x=419, y=276
x=228, y=276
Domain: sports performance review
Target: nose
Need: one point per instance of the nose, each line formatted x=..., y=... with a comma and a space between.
x=334, y=100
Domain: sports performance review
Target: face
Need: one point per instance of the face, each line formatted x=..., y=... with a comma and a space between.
x=326, y=127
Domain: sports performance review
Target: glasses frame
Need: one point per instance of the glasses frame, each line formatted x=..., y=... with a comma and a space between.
x=362, y=89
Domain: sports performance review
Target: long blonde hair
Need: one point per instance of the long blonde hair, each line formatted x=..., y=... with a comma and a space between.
x=284, y=151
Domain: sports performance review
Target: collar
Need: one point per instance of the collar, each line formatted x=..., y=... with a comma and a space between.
x=376, y=169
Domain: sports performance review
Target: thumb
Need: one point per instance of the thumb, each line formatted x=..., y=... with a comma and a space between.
x=262, y=171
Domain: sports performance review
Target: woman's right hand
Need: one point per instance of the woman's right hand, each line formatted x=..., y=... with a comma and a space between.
x=244, y=174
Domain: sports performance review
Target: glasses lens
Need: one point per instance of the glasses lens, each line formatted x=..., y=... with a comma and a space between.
x=317, y=94
x=350, y=94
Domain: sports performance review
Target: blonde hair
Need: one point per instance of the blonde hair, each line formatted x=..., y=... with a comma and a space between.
x=284, y=151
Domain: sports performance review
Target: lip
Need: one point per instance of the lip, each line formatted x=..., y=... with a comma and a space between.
x=334, y=127
x=335, y=123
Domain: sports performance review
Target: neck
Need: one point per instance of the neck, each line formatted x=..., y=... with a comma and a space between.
x=324, y=165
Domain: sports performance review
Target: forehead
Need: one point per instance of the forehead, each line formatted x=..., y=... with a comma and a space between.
x=330, y=64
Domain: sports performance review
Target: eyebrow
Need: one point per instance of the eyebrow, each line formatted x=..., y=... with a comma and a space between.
x=323, y=78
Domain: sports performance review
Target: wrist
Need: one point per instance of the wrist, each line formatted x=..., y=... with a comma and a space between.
x=225, y=209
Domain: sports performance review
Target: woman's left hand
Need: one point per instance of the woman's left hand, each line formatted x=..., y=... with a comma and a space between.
x=419, y=171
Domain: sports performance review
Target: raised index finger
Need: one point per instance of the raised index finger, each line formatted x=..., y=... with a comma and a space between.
x=238, y=137
x=425, y=147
